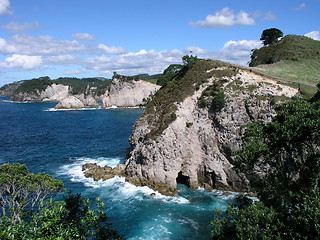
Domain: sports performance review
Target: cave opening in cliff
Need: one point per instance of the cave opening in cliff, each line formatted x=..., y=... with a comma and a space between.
x=182, y=179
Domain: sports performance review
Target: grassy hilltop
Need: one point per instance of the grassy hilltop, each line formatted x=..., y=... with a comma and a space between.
x=294, y=59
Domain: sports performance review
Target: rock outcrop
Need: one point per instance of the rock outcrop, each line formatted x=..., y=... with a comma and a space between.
x=8, y=89
x=54, y=92
x=102, y=173
x=71, y=102
x=129, y=93
x=195, y=145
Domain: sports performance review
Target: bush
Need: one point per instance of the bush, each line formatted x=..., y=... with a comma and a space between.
x=30, y=212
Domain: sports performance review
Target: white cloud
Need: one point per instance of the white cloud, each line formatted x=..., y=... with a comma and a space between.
x=45, y=52
x=238, y=52
x=62, y=59
x=44, y=45
x=74, y=71
x=270, y=16
x=300, y=7
x=6, y=48
x=152, y=61
x=14, y=27
x=5, y=7
x=18, y=61
x=225, y=18
x=314, y=35
x=83, y=36
x=195, y=50
x=111, y=50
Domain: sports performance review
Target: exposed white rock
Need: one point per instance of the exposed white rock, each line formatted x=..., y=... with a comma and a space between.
x=87, y=100
x=54, y=92
x=69, y=103
x=197, y=148
x=128, y=93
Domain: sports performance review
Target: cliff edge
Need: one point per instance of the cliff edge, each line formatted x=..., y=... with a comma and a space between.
x=191, y=129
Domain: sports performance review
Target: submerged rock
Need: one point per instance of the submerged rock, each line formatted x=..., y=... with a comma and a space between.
x=92, y=170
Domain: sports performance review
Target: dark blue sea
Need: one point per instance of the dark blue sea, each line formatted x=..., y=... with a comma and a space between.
x=60, y=142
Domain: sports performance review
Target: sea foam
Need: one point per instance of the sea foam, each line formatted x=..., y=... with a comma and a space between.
x=116, y=184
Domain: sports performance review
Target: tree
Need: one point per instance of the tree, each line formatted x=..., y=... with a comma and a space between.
x=169, y=73
x=287, y=152
x=189, y=60
x=30, y=212
x=174, y=69
x=270, y=36
x=21, y=191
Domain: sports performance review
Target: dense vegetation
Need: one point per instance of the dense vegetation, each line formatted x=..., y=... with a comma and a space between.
x=291, y=47
x=270, y=36
x=28, y=210
x=35, y=85
x=287, y=151
x=94, y=86
x=161, y=110
x=78, y=85
x=149, y=78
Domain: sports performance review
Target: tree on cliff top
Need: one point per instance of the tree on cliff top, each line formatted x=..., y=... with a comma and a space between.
x=270, y=36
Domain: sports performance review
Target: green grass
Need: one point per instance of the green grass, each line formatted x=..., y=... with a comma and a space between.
x=303, y=72
x=294, y=60
x=154, y=81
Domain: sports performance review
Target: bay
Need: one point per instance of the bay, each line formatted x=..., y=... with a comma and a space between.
x=60, y=142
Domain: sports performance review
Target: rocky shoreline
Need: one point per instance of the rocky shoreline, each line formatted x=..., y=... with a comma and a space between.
x=122, y=93
x=198, y=147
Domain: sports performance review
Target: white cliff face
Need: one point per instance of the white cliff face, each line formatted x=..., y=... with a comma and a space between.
x=70, y=102
x=87, y=100
x=55, y=92
x=197, y=148
x=77, y=101
x=128, y=93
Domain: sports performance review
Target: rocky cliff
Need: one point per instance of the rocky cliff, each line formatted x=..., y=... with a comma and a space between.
x=77, y=102
x=132, y=93
x=191, y=129
x=54, y=92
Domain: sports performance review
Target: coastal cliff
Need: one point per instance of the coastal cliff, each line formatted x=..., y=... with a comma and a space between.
x=121, y=91
x=191, y=129
x=128, y=93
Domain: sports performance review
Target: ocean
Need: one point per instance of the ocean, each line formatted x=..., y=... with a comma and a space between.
x=60, y=142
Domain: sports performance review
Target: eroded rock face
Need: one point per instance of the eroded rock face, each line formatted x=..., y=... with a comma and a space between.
x=71, y=102
x=128, y=93
x=55, y=92
x=197, y=148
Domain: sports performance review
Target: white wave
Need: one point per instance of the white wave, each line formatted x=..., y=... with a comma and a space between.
x=123, y=189
x=70, y=109
x=9, y=101
x=116, y=107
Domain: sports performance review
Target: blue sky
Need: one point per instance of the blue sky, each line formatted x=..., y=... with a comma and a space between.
x=87, y=38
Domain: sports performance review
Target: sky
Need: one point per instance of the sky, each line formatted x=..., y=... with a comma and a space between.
x=94, y=38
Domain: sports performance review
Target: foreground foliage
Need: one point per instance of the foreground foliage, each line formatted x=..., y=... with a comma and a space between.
x=287, y=152
x=30, y=212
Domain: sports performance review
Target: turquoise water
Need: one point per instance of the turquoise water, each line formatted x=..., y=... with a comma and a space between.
x=60, y=142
